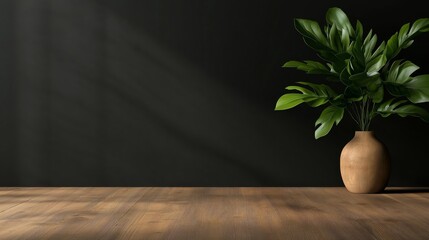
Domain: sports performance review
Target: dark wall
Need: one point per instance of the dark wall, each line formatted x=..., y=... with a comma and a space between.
x=178, y=93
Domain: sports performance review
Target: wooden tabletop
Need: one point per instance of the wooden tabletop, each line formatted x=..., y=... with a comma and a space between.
x=212, y=213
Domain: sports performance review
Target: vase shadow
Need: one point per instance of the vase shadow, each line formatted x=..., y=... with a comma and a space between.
x=406, y=190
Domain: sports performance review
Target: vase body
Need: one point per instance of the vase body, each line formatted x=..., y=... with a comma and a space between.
x=365, y=164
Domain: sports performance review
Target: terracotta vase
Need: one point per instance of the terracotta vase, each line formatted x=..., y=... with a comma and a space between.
x=365, y=164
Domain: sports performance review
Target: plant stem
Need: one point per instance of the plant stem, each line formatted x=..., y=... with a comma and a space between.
x=362, y=113
x=352, y=116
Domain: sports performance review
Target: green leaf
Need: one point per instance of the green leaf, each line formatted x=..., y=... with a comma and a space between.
x=404, y=38
x=377, y=96
x=300, y=89
x=376, y=64
x=317, y=102
x=321, y=89
x=392, y=47
x=405, y=70
x=418, y=89
x=334, y=39
x=400, y=73
x=363, y=79
x=393, y=71
x=363, y=82
x=344, y=77
x=339, y=18
x=345, y=39
x=289, y=100
x=329, y=116
x=400, y=83
x=387, y=108
x=414, y=111
x=320, y=95
x=397, y=90
x=353, y=94
x=408, y=44
x=358, y=56
x=420, y=26
x=315, y=45
x=378, y=51
x=359, y=31
x=368, y=37
x=376, y=91
x=310, y=67
x=403, y=33
x=316, y=65
x=339, y=101
x=369, y=47
x=337, y=61
x=312, y=34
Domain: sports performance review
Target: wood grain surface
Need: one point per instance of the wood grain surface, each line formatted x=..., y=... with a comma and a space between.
x=212, y=213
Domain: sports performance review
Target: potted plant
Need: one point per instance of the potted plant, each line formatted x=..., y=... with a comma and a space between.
x=364, y=79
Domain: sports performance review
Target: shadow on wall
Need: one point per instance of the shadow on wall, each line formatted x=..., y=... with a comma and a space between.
x=102, y=103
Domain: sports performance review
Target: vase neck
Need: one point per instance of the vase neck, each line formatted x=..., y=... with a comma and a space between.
x=364, y=134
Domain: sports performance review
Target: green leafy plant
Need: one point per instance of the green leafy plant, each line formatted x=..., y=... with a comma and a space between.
x=367, y=79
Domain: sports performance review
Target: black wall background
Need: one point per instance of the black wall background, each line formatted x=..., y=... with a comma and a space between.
x=178, y=93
